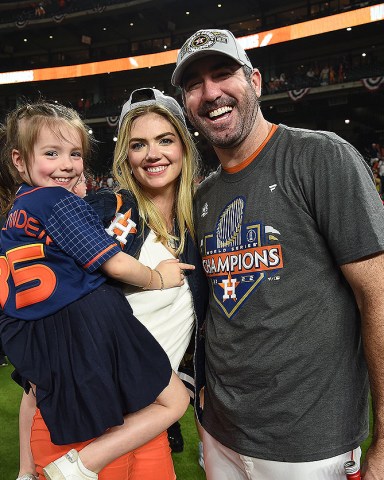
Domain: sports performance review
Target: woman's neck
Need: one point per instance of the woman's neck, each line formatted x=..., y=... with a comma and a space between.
x=165, y=202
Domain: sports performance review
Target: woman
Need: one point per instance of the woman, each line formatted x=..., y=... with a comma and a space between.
x=155, y=163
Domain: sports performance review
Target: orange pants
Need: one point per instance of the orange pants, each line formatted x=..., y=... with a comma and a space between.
x=152, y=461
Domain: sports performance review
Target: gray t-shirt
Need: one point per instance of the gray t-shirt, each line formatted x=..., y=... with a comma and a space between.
x=286, y=377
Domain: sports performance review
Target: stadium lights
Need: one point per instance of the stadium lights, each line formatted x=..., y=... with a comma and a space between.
x=345, y=20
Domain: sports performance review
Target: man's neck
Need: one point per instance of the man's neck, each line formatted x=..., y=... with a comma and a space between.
x=232, y=157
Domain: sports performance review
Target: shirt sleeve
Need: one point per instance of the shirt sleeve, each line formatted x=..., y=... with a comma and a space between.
x=76, y=229
x=344, y=201
x=104, y=203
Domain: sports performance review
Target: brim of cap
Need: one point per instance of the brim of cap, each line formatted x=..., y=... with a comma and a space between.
x=180, y=69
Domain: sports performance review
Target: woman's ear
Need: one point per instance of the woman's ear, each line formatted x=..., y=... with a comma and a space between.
x=18, y=162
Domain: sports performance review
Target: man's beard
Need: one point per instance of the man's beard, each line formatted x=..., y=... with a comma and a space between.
x=249, y=109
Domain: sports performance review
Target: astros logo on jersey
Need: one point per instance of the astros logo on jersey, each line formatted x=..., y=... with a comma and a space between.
x=121, y=226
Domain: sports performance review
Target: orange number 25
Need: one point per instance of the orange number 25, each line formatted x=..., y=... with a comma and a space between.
x=12, y=264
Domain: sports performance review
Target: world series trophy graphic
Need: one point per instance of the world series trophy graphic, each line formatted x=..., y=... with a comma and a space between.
x=239, y=255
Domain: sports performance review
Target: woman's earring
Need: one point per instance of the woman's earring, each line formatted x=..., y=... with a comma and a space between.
x=131, y=171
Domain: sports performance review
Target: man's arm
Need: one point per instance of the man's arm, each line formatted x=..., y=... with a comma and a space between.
x=366, y=278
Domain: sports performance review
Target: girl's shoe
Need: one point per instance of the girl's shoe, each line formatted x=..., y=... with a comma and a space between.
x=28, y=476
x=69, y=467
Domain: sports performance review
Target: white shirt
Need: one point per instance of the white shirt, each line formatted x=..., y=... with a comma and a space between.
x=167, y=314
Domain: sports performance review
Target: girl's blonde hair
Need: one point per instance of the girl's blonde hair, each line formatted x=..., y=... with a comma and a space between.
x=150, y=214
x=21, y=130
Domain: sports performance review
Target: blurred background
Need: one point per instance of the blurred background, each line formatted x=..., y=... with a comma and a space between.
x=322, y=62
x=322, y=65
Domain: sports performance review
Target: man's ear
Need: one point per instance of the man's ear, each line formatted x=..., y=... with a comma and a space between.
x=18, y=162
x=256, y=81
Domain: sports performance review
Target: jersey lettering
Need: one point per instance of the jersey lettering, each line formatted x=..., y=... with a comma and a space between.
x=31, y=227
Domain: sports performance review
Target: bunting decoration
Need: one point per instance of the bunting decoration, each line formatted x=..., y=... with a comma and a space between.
x=59, y=18
x=296, y=95
x=373, y=83
x=99, y=8
x=21, y=23
x=113, y=121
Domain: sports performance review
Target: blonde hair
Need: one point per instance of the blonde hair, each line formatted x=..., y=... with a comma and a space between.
x=150, y=214
x=32, y=117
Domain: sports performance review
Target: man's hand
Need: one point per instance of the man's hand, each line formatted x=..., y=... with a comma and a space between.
x=373, y=466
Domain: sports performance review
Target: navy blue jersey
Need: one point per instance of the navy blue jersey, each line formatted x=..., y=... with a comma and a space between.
x=52, y=244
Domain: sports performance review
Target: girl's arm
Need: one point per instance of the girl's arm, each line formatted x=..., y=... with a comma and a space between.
x=106, y=205
x=86, y=241
x=167, y=274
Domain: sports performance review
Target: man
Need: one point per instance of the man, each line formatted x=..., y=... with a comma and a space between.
x=294, y=263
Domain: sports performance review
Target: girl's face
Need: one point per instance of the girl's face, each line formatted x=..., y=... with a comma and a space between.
x=155, y=153
x=57, y=159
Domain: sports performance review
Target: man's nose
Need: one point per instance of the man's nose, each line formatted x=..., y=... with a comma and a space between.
x=211, y=90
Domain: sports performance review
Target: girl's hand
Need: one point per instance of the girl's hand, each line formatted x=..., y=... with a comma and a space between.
x=169, y=274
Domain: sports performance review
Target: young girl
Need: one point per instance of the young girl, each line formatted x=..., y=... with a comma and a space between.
x=94, y=369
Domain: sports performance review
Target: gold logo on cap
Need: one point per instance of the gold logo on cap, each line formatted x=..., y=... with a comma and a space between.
x=202, y=40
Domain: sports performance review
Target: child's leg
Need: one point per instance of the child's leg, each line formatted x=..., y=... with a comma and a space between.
x=152, y=460
x=138, y=428
x=44, y=451
x=27, y=411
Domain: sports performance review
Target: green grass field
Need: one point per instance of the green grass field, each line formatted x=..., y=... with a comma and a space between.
x=186, y=465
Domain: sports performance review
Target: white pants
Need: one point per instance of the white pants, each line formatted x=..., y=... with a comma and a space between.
x=222, y=463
